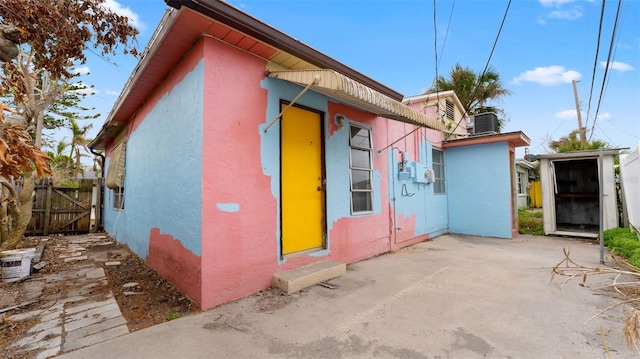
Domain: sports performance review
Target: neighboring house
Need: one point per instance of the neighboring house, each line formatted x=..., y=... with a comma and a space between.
x=236, y=152
x=525, y=173
x=446, y=107
x=574, y=184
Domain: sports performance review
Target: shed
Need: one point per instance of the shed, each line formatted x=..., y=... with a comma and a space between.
x=573, y=184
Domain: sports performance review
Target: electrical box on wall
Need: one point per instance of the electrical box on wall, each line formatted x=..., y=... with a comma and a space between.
x=419, y=170
x=431, y=176
x=405, y=171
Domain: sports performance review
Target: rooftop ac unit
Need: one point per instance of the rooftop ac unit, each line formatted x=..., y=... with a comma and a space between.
x=483, y=123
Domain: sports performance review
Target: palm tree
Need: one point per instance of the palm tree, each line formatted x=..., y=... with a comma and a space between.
x=571, y=142
x=474, y=90
x=78, y=139
x=58, y=158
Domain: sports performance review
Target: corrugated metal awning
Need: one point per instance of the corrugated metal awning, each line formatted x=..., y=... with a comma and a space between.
x=343, y=88
x=115, y=172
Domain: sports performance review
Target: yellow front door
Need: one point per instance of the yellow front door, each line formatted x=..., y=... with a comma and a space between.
x=302, y=180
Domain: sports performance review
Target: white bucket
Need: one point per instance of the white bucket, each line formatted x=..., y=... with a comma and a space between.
x=16, y=263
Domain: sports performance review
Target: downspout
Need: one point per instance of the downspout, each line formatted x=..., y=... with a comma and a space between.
x=392, y=199
x=100, y=224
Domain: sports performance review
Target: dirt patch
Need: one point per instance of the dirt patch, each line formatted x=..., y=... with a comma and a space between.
x=144, y=298
x=273, y=299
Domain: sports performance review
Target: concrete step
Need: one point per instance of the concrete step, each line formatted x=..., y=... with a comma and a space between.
x=307, y=276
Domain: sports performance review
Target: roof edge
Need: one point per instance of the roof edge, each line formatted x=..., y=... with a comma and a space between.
x=237, y=19
x=163, y=26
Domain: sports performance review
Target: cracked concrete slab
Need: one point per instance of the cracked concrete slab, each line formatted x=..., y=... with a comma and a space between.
x=451, y=297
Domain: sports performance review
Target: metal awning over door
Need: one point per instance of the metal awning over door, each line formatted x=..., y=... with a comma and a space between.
x=352, y=92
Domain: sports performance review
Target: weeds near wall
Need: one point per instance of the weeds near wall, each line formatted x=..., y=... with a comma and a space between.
x=531, y=222
x=625, y=286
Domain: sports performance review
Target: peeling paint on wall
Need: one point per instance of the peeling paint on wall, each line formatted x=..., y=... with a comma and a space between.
x=175, y=263
x=228, y=207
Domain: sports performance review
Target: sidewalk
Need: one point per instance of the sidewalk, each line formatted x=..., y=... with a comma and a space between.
x=452, y=297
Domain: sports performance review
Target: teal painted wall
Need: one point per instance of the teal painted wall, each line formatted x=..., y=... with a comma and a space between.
x=479, y=189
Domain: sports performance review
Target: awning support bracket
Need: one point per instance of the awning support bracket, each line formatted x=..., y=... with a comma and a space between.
x=315, y=81
x=400, y=139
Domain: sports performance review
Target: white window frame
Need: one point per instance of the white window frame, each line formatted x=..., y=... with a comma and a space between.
x=523, y=181
x=117, y=198
x=352, y=168
x=439, y=175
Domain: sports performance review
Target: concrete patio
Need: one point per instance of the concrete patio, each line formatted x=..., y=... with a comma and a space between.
x=451, y=297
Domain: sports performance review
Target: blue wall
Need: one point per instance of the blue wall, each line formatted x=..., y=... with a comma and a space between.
x=479, y=189
x=164, y=171
x=416, y=198
x=336, y=153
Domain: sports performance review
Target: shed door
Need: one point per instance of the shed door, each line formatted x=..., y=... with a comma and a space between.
x=302, y=192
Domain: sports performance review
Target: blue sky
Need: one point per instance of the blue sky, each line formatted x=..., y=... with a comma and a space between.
x=544, y=44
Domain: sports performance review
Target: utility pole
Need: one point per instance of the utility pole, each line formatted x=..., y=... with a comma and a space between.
x=583, y=135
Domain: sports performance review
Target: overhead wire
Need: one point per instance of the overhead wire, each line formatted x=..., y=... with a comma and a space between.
x=435, y=50
x=446, y=34
x=486, y=67
x=437, y=62
x=607, y=67
x=595, y=63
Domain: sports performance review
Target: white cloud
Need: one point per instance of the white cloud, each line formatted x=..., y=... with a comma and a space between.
x=556, y=3
x=563, y=115
x=571, y=114
x=571, y=14
x=615, y=65
x=111, y=92
x=83, y=70
x=548, y=76
x=134, y=18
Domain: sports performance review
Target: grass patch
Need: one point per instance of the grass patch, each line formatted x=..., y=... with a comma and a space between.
x=172, y=316
x=623, y=242
x=530, y=222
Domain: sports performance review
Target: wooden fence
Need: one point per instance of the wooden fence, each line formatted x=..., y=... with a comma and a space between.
x=65, y=210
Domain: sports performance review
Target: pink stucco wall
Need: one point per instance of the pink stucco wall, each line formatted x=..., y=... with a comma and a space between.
x=238, y=248
x=357, y=237
x=239, y=252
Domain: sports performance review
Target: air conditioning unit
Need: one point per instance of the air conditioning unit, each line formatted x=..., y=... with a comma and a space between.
x=483, y=123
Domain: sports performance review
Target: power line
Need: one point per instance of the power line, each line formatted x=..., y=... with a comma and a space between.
x=621, y=130
x=446, y=35
x=607, y=136
x=595, y=62
x=486, y=67
x=435, y=49
x=608, y=65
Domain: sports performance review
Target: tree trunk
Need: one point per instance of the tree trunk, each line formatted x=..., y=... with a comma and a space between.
x=4, y=214
x=21, y=212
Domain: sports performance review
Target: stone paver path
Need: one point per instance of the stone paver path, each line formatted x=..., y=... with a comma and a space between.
x=83, y=312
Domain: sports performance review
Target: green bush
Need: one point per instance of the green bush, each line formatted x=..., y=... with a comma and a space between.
x=618, y=234
x=634, y=259
x=624, y=242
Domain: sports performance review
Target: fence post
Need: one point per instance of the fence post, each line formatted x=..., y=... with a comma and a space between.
x=98, y=205
x=47, y=208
